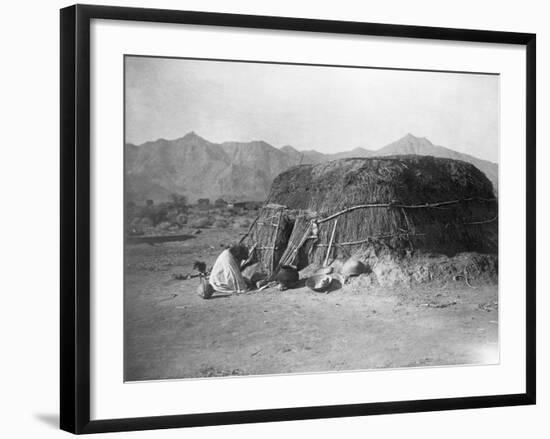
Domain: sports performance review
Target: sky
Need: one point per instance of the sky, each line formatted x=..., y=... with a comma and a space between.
x=328, y=109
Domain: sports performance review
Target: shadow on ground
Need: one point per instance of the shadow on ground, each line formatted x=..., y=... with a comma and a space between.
x=49, y=419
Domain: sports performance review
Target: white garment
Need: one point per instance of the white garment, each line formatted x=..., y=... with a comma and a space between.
x=226, y=276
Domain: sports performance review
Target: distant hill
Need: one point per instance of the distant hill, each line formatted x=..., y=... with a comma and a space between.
x=242, y=171
x=194, y=167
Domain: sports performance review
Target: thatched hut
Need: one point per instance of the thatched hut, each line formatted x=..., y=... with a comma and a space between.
x=393, y=205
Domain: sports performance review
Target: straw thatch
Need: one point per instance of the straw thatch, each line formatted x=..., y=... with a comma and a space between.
x=387, y=204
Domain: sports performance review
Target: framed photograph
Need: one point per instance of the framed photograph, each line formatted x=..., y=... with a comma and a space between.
x=268, y=218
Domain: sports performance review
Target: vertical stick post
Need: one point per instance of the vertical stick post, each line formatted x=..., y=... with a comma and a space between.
x=330, y=242
x=274, y=244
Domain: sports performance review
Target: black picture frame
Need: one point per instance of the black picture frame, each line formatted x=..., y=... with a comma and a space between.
x=75, y=217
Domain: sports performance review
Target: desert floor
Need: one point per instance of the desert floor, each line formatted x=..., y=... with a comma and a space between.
x=170, y=332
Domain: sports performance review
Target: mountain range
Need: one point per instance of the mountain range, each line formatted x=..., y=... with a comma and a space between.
x=243, y=171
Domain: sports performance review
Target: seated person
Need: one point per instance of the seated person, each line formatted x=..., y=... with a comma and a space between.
x=226, y=276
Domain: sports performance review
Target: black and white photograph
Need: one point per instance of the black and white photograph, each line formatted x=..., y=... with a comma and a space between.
x=275, y=219
x=293, y=218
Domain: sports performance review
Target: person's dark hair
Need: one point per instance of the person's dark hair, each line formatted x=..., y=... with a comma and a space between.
x=239, y=252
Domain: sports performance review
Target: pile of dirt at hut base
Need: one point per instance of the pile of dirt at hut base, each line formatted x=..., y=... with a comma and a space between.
x=387, y=270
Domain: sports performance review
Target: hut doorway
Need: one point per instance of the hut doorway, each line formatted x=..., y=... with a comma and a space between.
x=302, y=239
x=270, y=234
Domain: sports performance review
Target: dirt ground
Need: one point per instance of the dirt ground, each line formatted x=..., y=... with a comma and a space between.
x=170, y=332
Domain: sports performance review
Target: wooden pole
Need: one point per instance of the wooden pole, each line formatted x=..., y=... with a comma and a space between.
x=272, y=265
x=330, y=242
x=405, y=206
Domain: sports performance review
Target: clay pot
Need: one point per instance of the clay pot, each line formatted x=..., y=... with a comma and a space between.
x=205, y=290
x=287, y=275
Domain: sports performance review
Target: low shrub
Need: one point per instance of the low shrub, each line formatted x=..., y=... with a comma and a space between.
x=146, y=222
x=181, y=219
x=241, y=223
x=165, y=225
x=200, y=222
x=221, y=224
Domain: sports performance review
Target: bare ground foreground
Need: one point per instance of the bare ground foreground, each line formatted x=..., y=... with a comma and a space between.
x=170, y=332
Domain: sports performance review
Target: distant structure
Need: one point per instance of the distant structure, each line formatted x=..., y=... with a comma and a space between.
x=220, y=202
x=247, y=205
x=203, y=202
x=240, y=205
x=254, y=205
